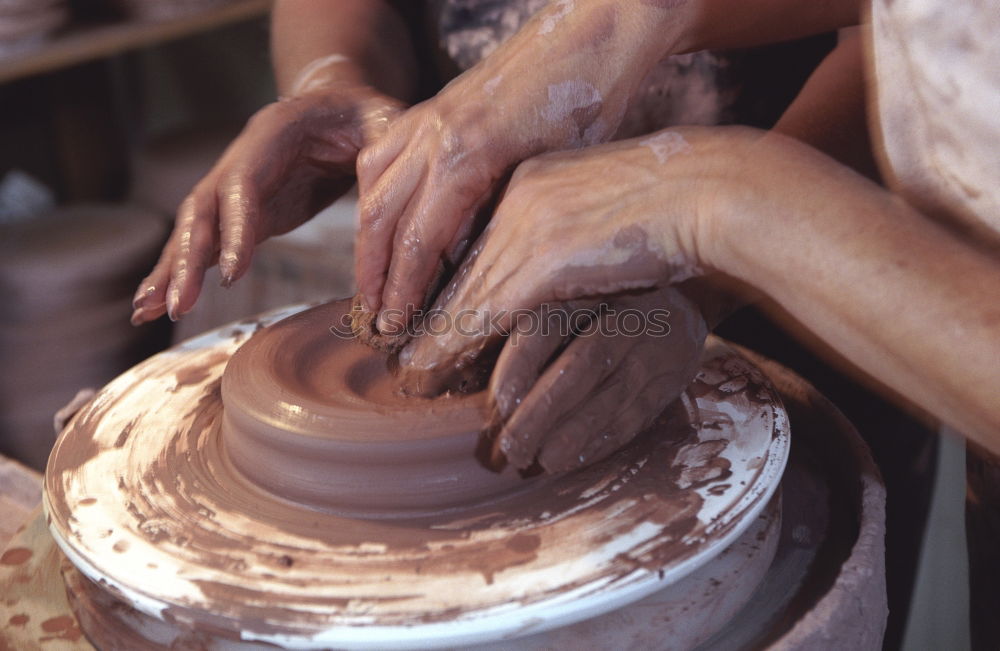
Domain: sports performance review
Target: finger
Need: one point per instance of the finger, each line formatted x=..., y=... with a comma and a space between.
x=475, y=222
x=634, y=419
x=468, y=231
x=562, y=389
x=381, y=150
x=536, y=339
x=375, y=128
x=481, y=302
x=380, y=208
x=150, y=300
x=197, y=246
x=521, y=362
x=146, y=314
x=651, y=375
x=152, y=290
x=239, y=220
x=437, y=354
x=422, y=234
x=619, y=409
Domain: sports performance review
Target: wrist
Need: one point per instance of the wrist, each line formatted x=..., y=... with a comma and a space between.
x=743, y=207
x=322, y=72
x=595, y=54
x=352, y=114
x=329, y=73
x=778, y=196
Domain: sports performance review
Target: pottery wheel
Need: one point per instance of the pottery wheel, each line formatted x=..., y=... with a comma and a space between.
x=178, y=531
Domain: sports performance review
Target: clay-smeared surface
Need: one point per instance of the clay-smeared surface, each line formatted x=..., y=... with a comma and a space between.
x=210, y=549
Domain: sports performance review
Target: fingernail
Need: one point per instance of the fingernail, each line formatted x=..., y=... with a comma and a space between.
x=367, y=302
x=386, y=326
x=505, y=398
x=173, y=298
x=137, y=317
x=141, y=295
x=498, y=454
x=227, y=266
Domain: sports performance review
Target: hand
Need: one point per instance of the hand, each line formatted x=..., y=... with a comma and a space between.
x=620, y=217
x=294, y=157
x=423, y=183
x=606, y=386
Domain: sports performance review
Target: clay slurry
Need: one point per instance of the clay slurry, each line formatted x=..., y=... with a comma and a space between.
x=319, y=419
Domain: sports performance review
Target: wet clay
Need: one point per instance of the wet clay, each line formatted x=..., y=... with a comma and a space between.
x=362, y=324
x=317, y=417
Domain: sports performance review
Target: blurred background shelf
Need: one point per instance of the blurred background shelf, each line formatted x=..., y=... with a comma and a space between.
x=81, y=43
x=107, y=115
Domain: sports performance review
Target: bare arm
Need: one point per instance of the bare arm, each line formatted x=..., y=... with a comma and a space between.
x=364, y=42
x=719, y=24
x=829, y=112
x=900, y=297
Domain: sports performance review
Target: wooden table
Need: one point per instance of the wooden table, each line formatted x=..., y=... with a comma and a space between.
x=20, y=494
x=32, y=597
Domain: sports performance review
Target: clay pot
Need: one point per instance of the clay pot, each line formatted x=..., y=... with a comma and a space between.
x=66, y=281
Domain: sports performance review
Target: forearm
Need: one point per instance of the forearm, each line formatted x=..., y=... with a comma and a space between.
x=600, y=51
x=721, y=24
x=565, y=78
x=829, y=112
x=363, y=42
x=891, y=291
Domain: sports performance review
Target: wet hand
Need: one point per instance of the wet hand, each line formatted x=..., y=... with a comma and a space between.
x=293, y=158
x=621, y=217
x=422, y=185
x=565, y=405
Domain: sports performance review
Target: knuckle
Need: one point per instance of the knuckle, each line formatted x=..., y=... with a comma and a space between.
x=366, y=161
x=526, y=196
x=526, y=168
x=370, y=210
x=278, y=111
x=414, y=239
x=229, y=180
x=187, y=211
x=264, y=116
x=237, y=185
x=470, y=120
x=460, y=134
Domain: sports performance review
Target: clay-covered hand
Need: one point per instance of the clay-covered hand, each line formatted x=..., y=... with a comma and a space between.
x=608, y=384
x=562, y=82
x=294, y=157
x=624, y=216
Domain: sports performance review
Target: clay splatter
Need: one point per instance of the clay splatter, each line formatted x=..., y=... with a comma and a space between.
x=562, y=9
x=19, y=620
x=569, y=96
x=61, y=628
x=491, y=84
x=16, y=556
x=666, y=145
